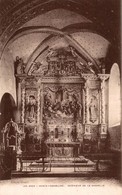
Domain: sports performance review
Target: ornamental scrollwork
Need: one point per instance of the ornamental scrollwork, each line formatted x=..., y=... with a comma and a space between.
x=61, y=62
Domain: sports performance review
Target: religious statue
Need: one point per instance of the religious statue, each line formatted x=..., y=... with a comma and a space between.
x=19, y=66
x=93, y=109
x=31, y=109
x=102, y=65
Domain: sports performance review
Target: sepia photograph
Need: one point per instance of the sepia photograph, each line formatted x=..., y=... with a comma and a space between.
x=60, y=97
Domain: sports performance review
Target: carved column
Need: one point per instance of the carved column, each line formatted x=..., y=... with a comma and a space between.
x=38, y=106
x=84, y=111
x=86, y=98
x=18, y=81
x=86, y=103
x=23, y=103
x=86, y=107
x=103, y=128
x=103, y=114
x=102, y=98
x=89, y=84
x=42, y=102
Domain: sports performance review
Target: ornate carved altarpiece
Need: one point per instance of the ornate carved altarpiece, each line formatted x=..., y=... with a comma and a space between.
x=62, y=101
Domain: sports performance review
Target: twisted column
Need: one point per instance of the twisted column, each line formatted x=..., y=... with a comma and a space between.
x=18, y=81
x=103, y=102
x=86, y=103
x=102, y=77
x=42, y=104
x=38, y=106
x=23, y=105
x=84, y=110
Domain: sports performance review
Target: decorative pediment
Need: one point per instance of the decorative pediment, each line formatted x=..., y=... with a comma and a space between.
x=63, y=62
x=37, y=68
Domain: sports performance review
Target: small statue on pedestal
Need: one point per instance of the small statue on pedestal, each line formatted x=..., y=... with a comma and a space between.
x=19, y=66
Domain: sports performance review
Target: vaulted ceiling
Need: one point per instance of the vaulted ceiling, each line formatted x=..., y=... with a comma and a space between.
x=29, y=27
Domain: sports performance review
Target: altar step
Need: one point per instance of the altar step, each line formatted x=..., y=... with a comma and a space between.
x=59, y=162
x=65, y=167
x=63, y=172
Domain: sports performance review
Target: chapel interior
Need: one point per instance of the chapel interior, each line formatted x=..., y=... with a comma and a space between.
x=60, y=88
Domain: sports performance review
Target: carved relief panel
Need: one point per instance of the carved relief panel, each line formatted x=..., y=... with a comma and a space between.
x=62, y=109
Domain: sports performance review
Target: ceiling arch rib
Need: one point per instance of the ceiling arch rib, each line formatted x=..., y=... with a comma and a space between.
x=82, y=27
x=31, y=30
x=58, y=32
x=87, y=27
x=39, y=50
x=42, y=50
x=27, y=12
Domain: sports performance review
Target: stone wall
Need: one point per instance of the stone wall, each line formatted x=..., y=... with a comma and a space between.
x=115, y=137
x=8, y=84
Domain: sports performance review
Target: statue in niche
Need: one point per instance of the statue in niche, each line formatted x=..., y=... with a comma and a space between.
x=31, y=109
x=19, y=66
x=93, y=109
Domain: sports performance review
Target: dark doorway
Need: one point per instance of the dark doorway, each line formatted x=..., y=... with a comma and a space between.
x=7, y=110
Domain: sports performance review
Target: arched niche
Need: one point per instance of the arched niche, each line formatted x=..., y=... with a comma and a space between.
x=114, y=110
x=114, y=96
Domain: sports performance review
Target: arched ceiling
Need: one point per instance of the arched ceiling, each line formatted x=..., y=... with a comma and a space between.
x=58, y=18
x=92, y=25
